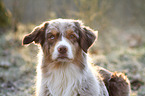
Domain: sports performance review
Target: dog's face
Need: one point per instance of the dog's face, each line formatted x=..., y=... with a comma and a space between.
x=61, y=39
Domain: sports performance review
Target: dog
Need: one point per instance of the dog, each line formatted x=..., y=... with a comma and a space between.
x=63, y=69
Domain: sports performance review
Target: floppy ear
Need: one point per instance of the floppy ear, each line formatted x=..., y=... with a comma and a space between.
x=37, y=35
x=87, y=36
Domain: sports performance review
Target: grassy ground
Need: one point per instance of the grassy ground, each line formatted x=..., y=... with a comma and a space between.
x=18, y=63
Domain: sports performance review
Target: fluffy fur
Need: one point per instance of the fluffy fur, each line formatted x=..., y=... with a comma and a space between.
x=63, y=69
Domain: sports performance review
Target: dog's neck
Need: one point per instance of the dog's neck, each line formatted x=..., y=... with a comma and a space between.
x=64, y=80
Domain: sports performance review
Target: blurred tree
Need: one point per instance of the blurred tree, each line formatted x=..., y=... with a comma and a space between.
x=64, y=9
x=17, y=12
x=139, y=11
x=5, y=16
x=93, y=12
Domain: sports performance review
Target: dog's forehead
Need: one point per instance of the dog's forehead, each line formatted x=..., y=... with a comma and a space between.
x=61, y=25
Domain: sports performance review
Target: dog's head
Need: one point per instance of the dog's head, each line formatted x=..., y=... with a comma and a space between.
x=62, y=39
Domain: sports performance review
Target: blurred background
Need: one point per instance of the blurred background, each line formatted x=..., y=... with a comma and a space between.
x=120, y=45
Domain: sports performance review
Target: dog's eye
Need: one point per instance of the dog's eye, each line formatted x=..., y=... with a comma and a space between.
x=52, y=37
x=72, y=36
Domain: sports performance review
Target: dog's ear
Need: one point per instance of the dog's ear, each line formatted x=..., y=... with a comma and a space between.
x=87, y=36
x=37, y=35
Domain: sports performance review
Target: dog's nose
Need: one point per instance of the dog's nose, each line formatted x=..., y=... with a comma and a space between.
x=62, y=49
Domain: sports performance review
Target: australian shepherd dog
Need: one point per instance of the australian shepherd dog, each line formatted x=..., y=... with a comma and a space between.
x=63, y=69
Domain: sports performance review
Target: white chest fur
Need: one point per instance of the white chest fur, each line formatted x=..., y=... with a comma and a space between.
x=64, y=81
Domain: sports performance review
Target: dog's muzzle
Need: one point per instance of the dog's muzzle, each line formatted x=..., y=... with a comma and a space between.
x=63, y=50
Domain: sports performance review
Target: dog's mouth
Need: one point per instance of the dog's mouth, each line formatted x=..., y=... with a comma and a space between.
x=62, y=57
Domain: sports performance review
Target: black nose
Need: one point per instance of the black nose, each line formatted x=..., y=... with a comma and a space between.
x=62, y=49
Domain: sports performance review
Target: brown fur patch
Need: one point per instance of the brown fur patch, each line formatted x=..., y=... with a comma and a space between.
x=118, y=85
